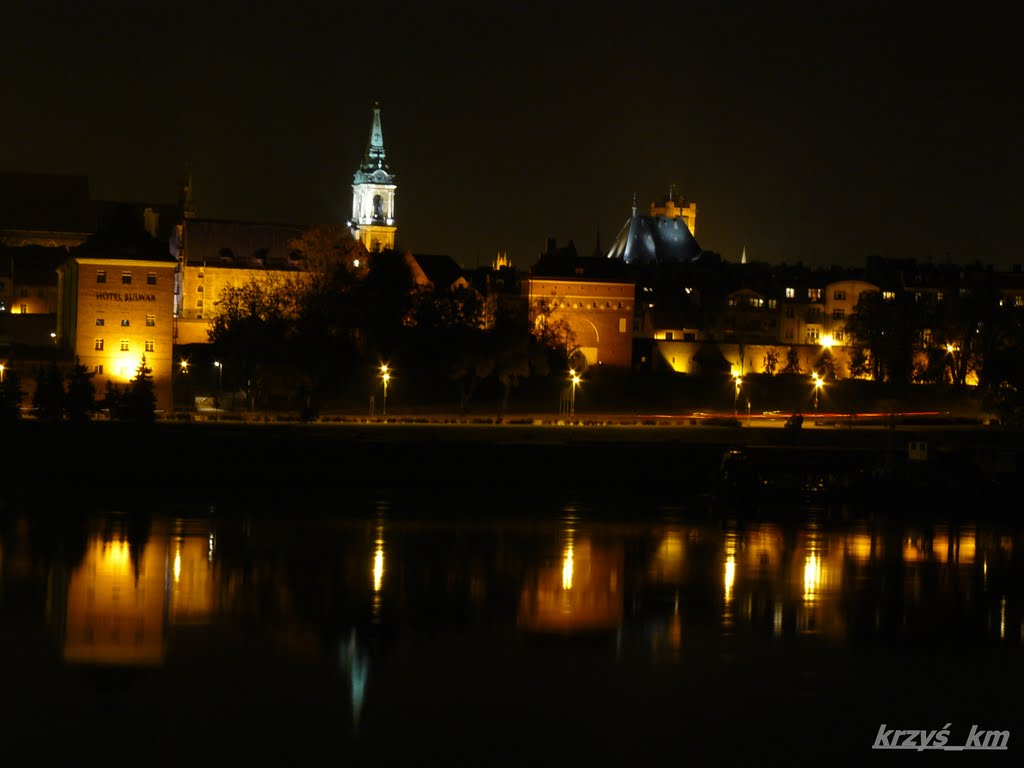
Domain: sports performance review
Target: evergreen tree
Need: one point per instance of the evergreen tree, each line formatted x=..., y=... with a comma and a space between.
x=792, y=361
x=11, y=395
x=48, y=399
x=113, y=400
x=140, y=399
x=80, y=401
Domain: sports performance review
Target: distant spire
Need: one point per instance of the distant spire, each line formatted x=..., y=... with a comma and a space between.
x=634, y=204
x=188, y=208
x=374, y=158
x=743, y=258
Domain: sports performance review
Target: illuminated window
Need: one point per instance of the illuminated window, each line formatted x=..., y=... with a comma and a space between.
x=124, y=345
x=125, y=323
x=101, y=276
x=151, y=320
x=791, y=293
x=622, y=325
x=1018, y=301
x=772, y=303
x=126, y=278
x=888, y=295
x=149, y=345
x=98, y=345
x=151, y=278
x=814, y=294
x=813, y=333
x=24, y=309
x=99, y=321
x=837, y=335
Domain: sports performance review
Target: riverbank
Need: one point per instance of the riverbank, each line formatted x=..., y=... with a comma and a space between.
x=475, y=463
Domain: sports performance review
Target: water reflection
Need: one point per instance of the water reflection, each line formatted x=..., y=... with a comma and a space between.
x=309, y=595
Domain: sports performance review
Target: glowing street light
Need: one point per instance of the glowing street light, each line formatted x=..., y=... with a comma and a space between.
x=738, y=379
x=220, y=374
x=2, y=373
x=575, y=378
x=385, y=377
x=818, y=384
x=184, y=365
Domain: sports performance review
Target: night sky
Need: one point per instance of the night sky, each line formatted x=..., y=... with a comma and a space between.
x=803, y=132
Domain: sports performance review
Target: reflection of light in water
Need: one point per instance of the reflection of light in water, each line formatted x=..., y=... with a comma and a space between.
x=210, y=550
x=858, y=547
x=356, y=663
x=378, y=572
x=1002, y=618
x=378, y=568
x=730, y=565
x=730, y=576
x=116, y=554
x=812, y=577
x=177, y=563
x=729, y=579
x=378, y=560
x=567, y=567
x=777, y=619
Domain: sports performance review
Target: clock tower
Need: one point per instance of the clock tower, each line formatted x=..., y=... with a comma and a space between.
x=373, y=195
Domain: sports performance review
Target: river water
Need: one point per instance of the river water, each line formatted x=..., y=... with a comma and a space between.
x=384, y=629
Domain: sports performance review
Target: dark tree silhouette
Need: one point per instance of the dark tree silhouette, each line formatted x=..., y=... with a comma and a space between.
x=140, y=399
x=48, y=399
x=11, y=395
x=80, y=402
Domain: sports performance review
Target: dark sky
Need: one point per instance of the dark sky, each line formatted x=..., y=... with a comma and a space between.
x=802, y=131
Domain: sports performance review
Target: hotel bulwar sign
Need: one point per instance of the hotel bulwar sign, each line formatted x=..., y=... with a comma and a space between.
x=124, y=297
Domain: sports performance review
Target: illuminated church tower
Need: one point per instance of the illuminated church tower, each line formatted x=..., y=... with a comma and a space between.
x=373, y=195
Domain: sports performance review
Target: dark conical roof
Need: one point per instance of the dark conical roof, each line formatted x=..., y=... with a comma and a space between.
x=645, y=240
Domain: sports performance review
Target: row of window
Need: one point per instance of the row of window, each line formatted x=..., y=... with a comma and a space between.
x=126, y=277
x=125, y=323
x=98, y=345
x=815, y=294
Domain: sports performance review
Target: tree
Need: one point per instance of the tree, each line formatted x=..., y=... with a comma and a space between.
x=859, y=363
x=886, y=328
x=140, y=399
x=771, y=361
x=80, y=401
x=113, y=400
x=11, y=395
x=792, y=361
x=826, y=365
x=48, y=399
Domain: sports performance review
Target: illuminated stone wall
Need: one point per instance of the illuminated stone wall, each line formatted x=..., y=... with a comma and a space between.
x=600, y=315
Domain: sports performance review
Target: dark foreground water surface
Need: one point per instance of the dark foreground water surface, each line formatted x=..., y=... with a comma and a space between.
x=377, y=631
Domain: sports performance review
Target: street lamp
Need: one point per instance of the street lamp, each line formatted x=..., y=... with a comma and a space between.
x=818, y=384
x=385, y=377
x=575, y=378
x=2, y=373
x=736, y=398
